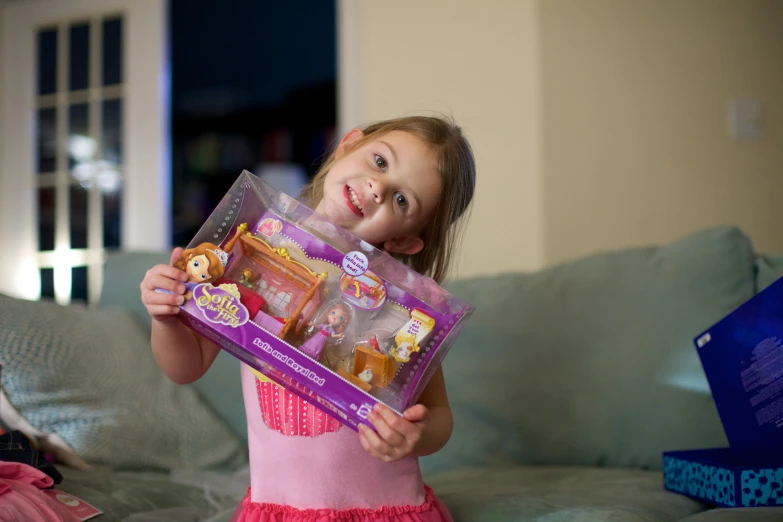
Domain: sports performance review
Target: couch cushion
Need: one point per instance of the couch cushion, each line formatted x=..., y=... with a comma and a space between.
x=89, y=376
x=592, y=362
x=555, y=494
x=769, y=269
x=122, y=276
x=121, y=494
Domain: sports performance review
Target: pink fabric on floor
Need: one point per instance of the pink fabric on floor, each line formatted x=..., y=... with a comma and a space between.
x=432, y=510
x=21, y=498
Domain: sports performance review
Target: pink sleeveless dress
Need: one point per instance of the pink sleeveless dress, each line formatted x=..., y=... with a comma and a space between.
x=306, y=466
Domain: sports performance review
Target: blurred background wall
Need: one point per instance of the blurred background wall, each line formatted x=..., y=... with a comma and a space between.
x=479, y=63
x=597, y=124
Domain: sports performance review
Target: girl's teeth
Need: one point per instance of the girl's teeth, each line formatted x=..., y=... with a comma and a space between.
x=354, y=199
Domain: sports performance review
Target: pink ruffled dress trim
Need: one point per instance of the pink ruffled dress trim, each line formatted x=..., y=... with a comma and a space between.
x=432, y=510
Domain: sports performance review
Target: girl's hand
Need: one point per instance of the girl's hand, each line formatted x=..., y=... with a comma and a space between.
x=162, y=306
x=396, y=437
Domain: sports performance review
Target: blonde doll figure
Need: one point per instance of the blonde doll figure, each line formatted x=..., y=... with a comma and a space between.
x=401, y=185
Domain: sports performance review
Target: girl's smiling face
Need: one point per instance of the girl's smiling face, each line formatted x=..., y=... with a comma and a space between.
x=384, y=192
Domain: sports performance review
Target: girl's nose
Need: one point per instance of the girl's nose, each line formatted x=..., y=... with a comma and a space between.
x=377, y=189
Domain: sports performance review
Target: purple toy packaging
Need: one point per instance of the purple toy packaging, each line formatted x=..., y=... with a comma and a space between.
x=314, y=308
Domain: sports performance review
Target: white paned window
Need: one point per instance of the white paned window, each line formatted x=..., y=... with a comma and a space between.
x=84, y=154
x=79, y=167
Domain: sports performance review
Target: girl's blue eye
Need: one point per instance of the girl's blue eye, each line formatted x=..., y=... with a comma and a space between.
x=380, y=162
x=340, y=318
x=400, y=199
x=203, y=276
x=195, y=264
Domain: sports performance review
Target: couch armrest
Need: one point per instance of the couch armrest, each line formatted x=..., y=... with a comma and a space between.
x=769, y=268
x=122, y=276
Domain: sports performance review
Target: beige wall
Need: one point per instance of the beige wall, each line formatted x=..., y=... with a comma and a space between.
x=473, y=61
x=596, y=124
x=634, y=131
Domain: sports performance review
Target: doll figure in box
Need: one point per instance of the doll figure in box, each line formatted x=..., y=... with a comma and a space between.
x=335, y=321
x=203, y=263
x=246, y=278
x=330, y=329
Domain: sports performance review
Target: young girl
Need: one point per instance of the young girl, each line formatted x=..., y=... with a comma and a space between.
x=401, y=185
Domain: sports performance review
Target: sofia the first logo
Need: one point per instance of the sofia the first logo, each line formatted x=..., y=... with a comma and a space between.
x=220, y=305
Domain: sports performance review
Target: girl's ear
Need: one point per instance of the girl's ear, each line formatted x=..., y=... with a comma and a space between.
x=347, y=140
x=409, y=245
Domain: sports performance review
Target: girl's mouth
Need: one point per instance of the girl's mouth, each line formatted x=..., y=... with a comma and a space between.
x=353, y=201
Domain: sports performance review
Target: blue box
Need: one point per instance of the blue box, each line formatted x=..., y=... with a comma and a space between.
x=742, y=357
x=724, y=477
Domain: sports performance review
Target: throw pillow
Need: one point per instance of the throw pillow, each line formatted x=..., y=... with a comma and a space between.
x=88, y=376
x=592, y=362
x=12, y=420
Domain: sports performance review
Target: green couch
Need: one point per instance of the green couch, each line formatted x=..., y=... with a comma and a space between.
x=566, y=386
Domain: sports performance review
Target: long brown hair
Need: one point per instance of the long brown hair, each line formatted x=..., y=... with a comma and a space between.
x=457, y=169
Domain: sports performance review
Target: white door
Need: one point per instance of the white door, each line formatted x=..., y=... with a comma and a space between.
x=84, y=141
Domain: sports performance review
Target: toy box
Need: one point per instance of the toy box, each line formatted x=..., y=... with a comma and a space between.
x=312, y=307
x=742, y=357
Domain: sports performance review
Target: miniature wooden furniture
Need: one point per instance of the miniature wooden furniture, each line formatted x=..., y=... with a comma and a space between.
x=278, y=261
x=381, y=365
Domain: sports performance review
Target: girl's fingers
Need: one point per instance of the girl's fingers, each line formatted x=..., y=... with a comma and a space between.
x=166, y=271
x=374, y=442
x=176, y=254
x=157, y=298
x=417, y=413
x=173, y=295
x=392, y=419
x=156, y=282
x=168, y=278
x=363, y=439
x=166, y=283
x=388, y=433
x=172, y=273
x=162, y=310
